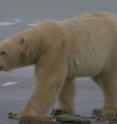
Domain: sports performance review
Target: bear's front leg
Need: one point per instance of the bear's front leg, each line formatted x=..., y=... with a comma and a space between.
x=51, y=77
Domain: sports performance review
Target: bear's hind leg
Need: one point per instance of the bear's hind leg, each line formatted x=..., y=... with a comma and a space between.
x=107, y=81
x=66, y=97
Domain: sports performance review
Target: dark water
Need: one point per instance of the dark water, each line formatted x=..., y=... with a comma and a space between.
x=30, y=10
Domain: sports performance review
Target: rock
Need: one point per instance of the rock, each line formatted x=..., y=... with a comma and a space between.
x=36, y=120
x=72, y=119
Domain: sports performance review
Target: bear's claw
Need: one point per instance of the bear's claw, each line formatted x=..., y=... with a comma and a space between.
x=13, y=115
x=56, y=112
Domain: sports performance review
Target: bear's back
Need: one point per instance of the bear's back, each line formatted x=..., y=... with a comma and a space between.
x=91, y=40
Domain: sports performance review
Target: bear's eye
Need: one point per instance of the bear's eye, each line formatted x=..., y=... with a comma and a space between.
x=2, y=52
x=22, y=41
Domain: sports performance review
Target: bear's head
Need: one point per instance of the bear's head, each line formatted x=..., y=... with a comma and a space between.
x=19, y=50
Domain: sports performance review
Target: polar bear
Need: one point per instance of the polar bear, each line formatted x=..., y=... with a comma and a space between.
x=61, y=51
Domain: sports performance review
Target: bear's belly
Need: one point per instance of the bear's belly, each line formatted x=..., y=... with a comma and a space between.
x=85, y=69
x=89, y=62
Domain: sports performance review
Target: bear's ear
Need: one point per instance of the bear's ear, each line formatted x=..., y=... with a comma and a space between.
x=21, y=42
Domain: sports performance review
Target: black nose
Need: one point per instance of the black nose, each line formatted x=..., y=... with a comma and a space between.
x=1, y=67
